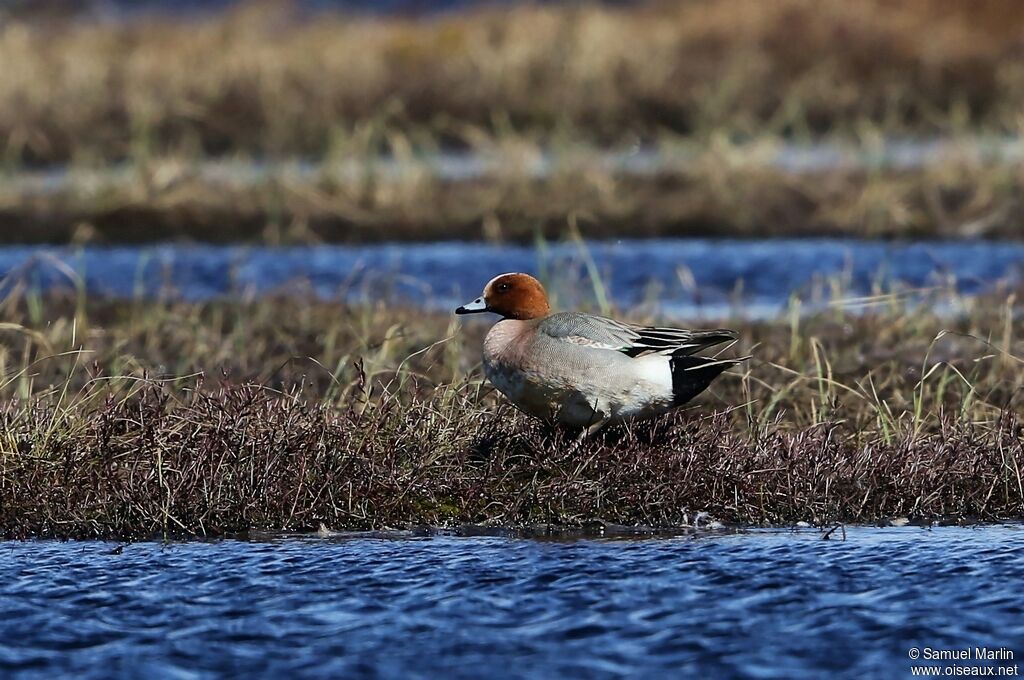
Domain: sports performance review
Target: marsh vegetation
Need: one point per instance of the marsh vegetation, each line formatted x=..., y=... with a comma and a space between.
x=724, y=190
x=143, y=418
x=267, y=79
x=729, y=81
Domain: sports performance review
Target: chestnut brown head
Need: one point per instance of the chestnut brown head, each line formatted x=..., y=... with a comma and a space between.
x=513, y=296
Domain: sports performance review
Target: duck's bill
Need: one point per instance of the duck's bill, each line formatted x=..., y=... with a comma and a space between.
x=474, y=307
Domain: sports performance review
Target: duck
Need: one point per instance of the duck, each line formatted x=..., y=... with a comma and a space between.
x=588, y=371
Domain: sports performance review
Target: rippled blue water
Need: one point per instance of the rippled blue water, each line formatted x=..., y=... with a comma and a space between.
x=686, y=277
x=760, y=604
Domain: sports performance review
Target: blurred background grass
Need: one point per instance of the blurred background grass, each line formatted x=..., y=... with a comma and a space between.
x=718, y=87
x=266, y=78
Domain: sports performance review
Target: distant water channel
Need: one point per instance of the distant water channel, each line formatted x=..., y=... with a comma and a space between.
x=451, y=166
x=681, y=278
x=763, y=604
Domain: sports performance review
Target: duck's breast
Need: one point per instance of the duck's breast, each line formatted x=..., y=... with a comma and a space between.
x=524, y=367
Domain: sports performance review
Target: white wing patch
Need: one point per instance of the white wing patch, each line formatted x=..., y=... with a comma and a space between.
x=590, y=342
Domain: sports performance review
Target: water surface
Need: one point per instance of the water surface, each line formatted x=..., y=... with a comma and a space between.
x=760, y=604
x=674, y=277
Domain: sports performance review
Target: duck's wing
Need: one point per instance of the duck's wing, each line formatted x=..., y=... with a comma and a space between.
x=632, y=340
x=677, y=341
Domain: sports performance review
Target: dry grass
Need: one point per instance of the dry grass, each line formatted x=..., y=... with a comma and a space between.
x=261, y=80
x=142, y=418
x=729, y=78
x=726, y=190
x=308, y=413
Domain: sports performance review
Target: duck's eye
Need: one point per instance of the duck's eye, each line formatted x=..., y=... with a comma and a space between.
x=502, y=287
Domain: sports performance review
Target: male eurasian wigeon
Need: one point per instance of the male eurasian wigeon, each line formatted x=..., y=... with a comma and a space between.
x=585, y=370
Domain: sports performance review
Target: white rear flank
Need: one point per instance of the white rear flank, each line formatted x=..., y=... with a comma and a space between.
x=655, y=370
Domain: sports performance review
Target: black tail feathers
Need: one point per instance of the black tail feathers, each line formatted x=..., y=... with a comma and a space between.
x=714, y=337
x=691, y=375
